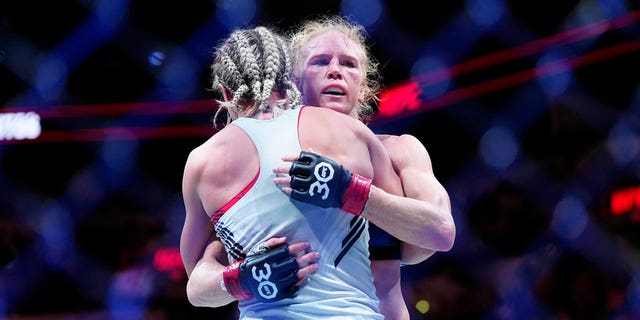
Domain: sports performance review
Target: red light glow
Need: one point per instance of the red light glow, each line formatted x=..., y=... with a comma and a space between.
x=624, y=200
x=169, y=260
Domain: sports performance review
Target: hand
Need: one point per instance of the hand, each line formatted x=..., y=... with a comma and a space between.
x=271, y=274
x=323, y=182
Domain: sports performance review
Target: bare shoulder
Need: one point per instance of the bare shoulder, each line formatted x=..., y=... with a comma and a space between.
x=199, y=156
x=405, y=149
x=401, y=141
x=196, y=161
x=218, y=154
x=220, y=167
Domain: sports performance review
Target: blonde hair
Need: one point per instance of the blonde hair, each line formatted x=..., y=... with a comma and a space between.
x=251, y=64
x=308, y=30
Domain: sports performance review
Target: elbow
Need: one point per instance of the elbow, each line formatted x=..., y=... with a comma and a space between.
x=199, y=296
x=448, y=237
x=195, y=296
x=447, y=230
x=192, y=295
x=440, y=239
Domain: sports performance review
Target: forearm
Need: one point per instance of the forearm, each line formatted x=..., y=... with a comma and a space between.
x=204, y=286
x=416, y=222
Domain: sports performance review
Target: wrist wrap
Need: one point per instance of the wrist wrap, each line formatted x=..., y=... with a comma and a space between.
x=357, y=194
x=232, y=282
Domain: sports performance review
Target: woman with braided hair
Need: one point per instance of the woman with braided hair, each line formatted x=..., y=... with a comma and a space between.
x=243, y=238
x=241, y=63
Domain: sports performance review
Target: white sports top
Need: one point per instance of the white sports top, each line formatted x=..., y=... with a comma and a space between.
x=342, y=288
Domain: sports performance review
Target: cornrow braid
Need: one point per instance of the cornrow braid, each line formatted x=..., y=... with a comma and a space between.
x=295, y=95
x=249, y=58
x=233, y=69
x=271, y=63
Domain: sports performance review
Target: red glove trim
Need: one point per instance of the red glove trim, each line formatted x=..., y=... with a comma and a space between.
x=357, y=194
x=232, y=283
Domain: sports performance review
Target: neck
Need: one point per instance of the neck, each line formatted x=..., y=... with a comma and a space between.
x=268, y=113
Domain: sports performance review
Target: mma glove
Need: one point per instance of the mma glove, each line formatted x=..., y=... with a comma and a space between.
x=269, y=276
x=323, y=182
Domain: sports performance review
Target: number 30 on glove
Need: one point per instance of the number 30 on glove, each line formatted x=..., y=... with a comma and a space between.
x=323, y=182
x=269, y=276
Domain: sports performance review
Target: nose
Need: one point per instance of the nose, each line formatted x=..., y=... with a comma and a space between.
x=333, y=71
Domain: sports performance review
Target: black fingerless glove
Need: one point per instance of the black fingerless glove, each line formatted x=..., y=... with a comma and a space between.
x=323, y=182
x=268, y=276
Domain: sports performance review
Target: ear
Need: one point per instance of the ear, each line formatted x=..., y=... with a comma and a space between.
x=226, y=94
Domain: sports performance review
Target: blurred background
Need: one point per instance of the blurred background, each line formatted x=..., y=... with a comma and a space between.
x=529, y=110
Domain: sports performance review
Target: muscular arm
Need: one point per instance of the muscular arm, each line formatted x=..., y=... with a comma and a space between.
x=425, y=224
x=204, y=258
x=197, y=229
x=422, y=217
